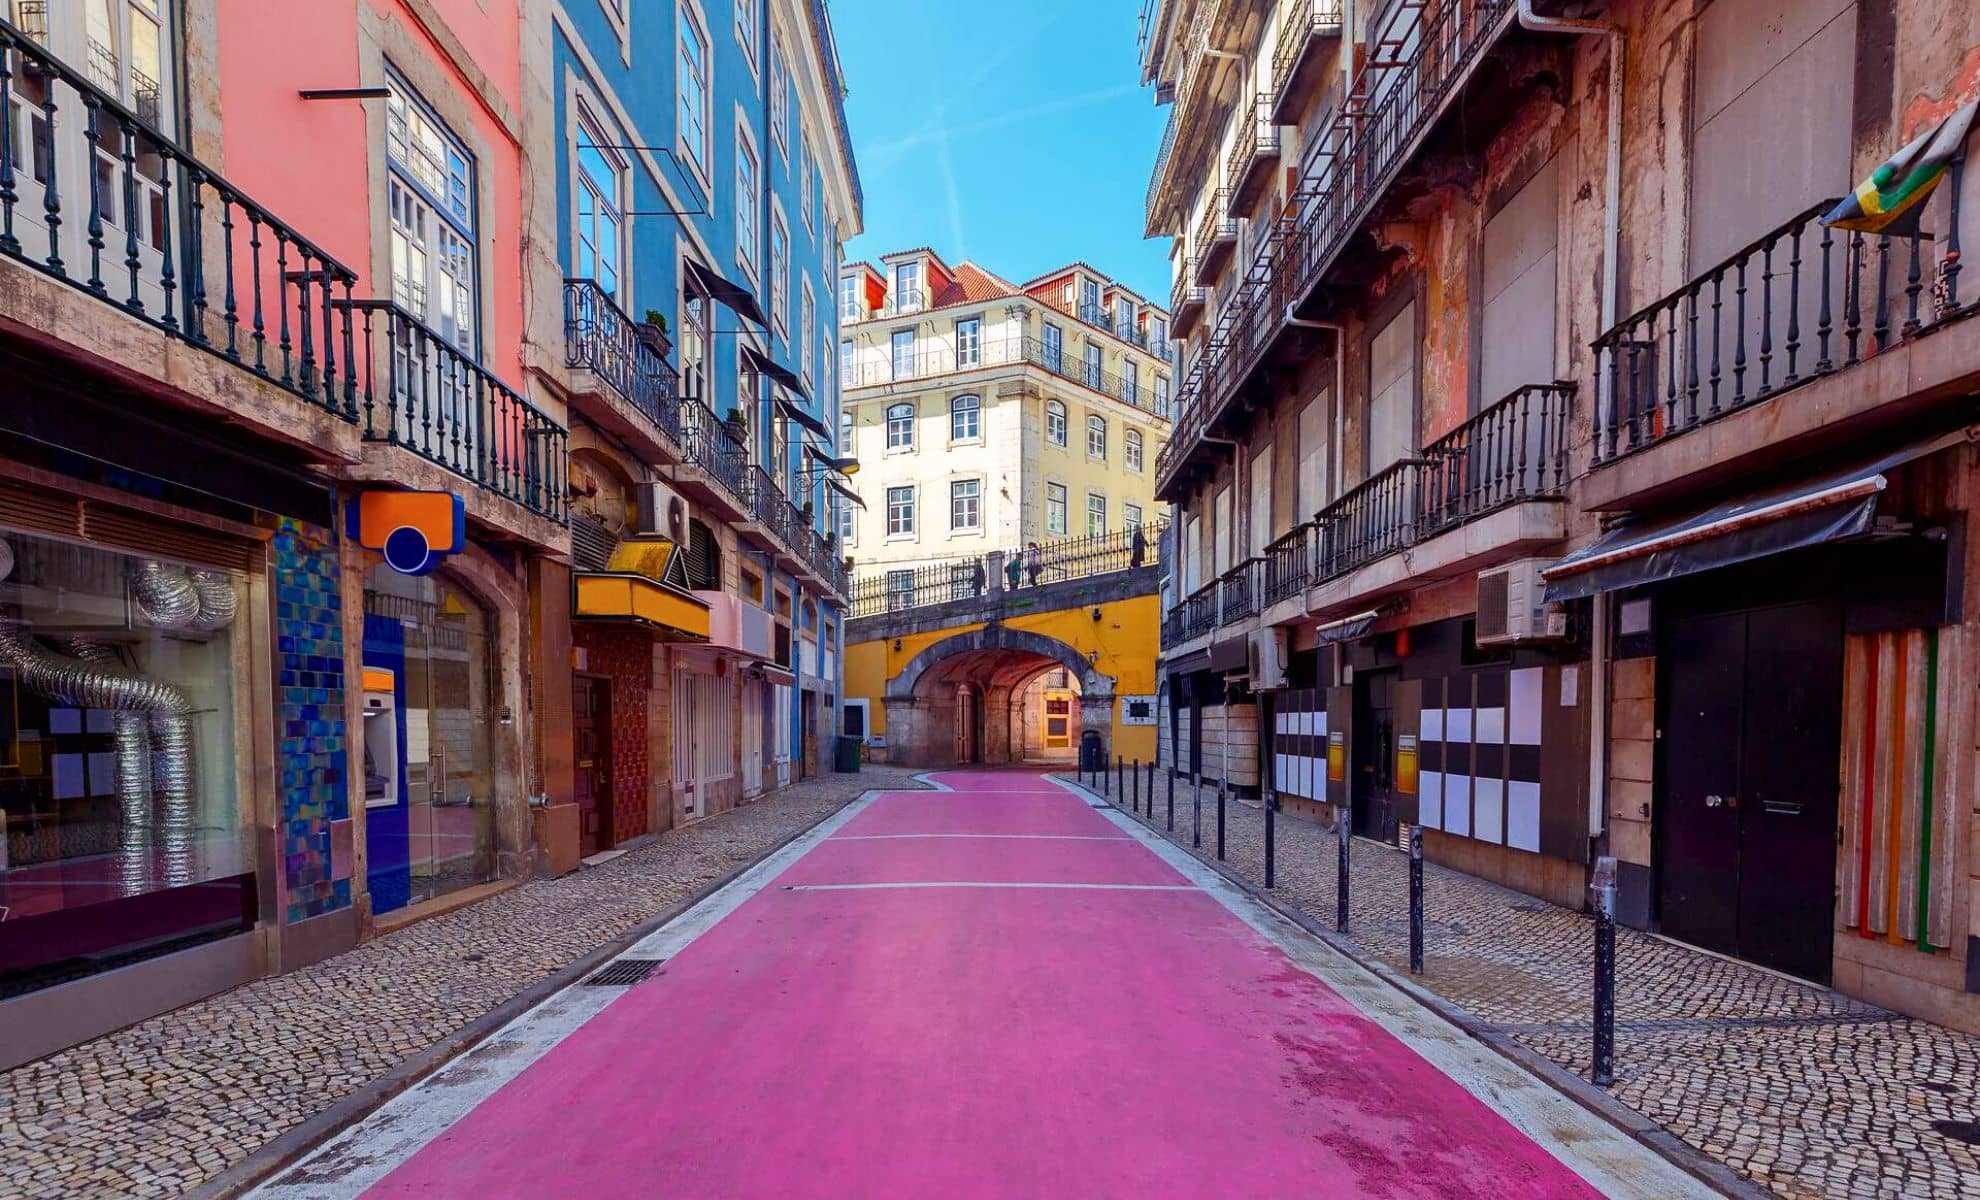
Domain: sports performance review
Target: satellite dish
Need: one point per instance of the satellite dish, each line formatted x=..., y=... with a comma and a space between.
x=6, y=560
x=676, y=519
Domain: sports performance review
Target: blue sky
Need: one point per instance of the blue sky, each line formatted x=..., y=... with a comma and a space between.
x=1015, y=133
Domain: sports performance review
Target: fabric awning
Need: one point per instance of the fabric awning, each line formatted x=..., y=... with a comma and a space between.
x=1792, y=516
x=737, y=297
x=756, y=360
x=796, y=413
x=1346, y=629
x=1195, y=660
x=618, y=596
x=845, y=491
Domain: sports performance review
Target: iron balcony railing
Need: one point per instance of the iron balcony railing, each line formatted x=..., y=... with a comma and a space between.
x=1067, y=362
x=1238, y=590
x=1514, y=450
x=419, y=390
x=94, y=195
x=1304, y=23
x=1216, y=234
x=1252, y=150
x=1172, y=626
x=1417, y=62
x=707, y=444
x=907, y=300
x=1200, y=612
x=1186, y=299
x=599, y=338
x=1801, y=302
x=893, y=589
x=1289, y=564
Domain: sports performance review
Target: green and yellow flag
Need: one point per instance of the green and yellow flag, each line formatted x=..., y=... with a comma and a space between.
x=1893, y=198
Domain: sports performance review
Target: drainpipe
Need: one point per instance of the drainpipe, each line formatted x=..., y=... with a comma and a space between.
x=1340, y=389
x=1598, y=667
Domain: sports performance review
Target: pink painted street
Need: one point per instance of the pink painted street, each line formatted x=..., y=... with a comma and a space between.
x=999, y=990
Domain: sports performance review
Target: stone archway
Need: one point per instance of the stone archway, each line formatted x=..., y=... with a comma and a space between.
x=993, y=662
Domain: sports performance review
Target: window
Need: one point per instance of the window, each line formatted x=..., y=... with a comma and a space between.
x=693, y=89
x=845, y=362
x=1055, y=508
x=900, y=427
x=965, y=504
x=845, y=431
x=1133, y=437
x=807, y=332
x=1158, y=335
x=808, y=190
x=1089, y=301
x=601, y=206
x=1054, y=351
x=1096, y=437
x=746, y=20
x=1130, y=516
x=903, y=346
x=694, y=344
x=900, y=590
x=1130, y=383
x=430, y=189
x=907, y=286
x=900, y=512
x=1096, y=514
x=780, y=97
x=964, y=423
x=1093, y=373
x=969, y=342
x=780, y=270
x=1123, y=316
x=1055, y=422
x=749, y=194
x=1161, y=393
x=849, y=297
x=848, y=522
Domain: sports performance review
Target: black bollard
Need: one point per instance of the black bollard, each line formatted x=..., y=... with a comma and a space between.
x=1134, y=783
x=1341, y=827
x=1172, y=799
x=1415, y=901
x=1220, y=820
x=1120, y=779
x=1196, y=807
x=1271, y=806
x=1602, y=892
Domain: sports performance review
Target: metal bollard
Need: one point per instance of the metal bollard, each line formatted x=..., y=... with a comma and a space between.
x=1271, y=806
x=1220, y=820
x=1172, y=799
x=1415, y=901
x=1196, y=807
x=1150, y=810
x=1602, y=892
x=1343, y=827
x=1134, y=784
x=1120, y=782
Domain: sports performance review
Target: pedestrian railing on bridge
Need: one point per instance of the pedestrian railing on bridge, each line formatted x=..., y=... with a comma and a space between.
x=891, y=589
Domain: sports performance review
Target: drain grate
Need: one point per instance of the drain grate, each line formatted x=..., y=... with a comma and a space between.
x=624, y=973
x=1959, y=1131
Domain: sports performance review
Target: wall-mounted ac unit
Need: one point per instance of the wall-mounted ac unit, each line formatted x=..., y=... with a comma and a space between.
x=1267, y=659
x=1510, y=608
x=663, y=512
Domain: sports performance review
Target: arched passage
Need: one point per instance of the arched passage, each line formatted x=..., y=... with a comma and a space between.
x=964, y=699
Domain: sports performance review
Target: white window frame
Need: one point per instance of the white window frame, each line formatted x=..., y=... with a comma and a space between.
x=849, y=298
x=780, y=96
x=969, y=342
x=1056, y=500
x=900, y=589
x=1056, y=409
x=1132, y=443
x=780, y=269
x=807, y=331
x=907, y=530
x=807, y=186
x=746, y=20
x=975, y=413
x=894, y=353
x=973, y=499
x=749, y=196
x=1096, y=514
x=1130, y=517
x=848, y=523
x=690, y=21
x=846, y=362
x=1096, y=433
x=449, y=221
x=904, y=425
x=588, y=203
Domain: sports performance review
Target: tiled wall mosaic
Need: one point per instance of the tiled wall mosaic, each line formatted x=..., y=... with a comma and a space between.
x=309, y=655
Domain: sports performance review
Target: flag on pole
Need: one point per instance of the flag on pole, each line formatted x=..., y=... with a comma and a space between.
x=1893, y=198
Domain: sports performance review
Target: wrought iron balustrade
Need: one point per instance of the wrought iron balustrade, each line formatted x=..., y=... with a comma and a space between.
x=1377, y=517
x=601, y=339
x=1238, y=590
x=1200, y=611
x=419, y=390
x=1057, y=561
x=707, y=444
x=1297, y=32
x=1516, y=449
x=1800, y=302
x=93, y=194
x=1289, y=564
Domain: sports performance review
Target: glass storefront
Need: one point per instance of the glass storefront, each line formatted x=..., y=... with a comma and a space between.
x=122, y=829
x=428, y=759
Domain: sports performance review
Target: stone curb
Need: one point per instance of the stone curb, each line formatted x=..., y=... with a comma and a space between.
x=1673, y=1149
x=285, y=1149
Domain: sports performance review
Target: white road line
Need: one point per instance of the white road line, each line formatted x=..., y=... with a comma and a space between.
x=1610, y=1159
x=992, y=837
x=359, y=1157
x=1067, y=887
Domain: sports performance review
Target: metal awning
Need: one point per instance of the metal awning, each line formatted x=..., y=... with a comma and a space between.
x=845, y=491
x=795, y=412
x=1347, y=628
x=1792, y=516
x=738, y=298
x=781, y=375
x=622, y=596
x=1231, y=654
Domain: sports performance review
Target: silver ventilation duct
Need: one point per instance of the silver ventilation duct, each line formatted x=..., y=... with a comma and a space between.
x=165, y=597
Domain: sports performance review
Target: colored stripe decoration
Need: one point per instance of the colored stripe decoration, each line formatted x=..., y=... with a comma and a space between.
x=1479, y=756
x=1299, y=745
x=1901, y=774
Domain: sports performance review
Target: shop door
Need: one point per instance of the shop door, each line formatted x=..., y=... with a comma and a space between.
x=1750, y=738
x=1058, y=722
x=450, y=783
x=1374, y=755
x=591, y=712
x=752, y=736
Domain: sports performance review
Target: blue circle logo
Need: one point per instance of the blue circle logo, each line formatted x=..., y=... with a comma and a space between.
x=408, y=552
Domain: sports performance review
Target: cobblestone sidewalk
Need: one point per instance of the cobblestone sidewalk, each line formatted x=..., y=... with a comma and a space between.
x=161, y=1107
x=1801, y=1089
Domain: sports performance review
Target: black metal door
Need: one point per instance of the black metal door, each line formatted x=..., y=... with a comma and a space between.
x=1373, y=760
x=1750, y=740
x=1701, y=699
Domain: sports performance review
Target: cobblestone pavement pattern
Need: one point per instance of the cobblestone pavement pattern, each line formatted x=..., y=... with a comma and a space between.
x=161, y=1107
x=1801, y=1089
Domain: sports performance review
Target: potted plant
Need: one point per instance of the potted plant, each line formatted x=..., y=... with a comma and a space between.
x=738, y=422
x=652, y=333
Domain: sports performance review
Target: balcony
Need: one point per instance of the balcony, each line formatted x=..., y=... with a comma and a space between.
x=419, y=391
x=1299, y=59
x=1254, y=155
x=1802, y=304
x=1396, y=102
x=93, y=196
x=1238, y=591
x=714, y=466
x=1065, y=362
x=636, y=393
x=1216, y=237
x=904, y=302
x=1200, y=611
x=1186, y=301
x=1061, y=560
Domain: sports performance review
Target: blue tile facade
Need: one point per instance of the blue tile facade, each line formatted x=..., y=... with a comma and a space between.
x=309, y=656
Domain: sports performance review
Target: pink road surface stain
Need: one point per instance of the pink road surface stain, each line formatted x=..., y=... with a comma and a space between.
x=996, y=1043
x=963, y=812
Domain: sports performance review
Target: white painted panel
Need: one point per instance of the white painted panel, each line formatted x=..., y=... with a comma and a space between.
x=1457, y=804
x=1432, y=724
x=1524, y=703
x=1488, y=805
x=1392, y=389
x=1457, y=725
x=1516, y=339
x=1430, y=799
x=1523, y=816
x=1489, y=727
x=1314, y=420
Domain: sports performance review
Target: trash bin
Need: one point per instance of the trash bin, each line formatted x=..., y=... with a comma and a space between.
x=846, y=757
x=1092, y=754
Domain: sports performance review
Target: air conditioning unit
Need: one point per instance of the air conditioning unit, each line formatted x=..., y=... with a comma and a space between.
x=1510, y=608
x=662, y=512
x=1267, y=659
